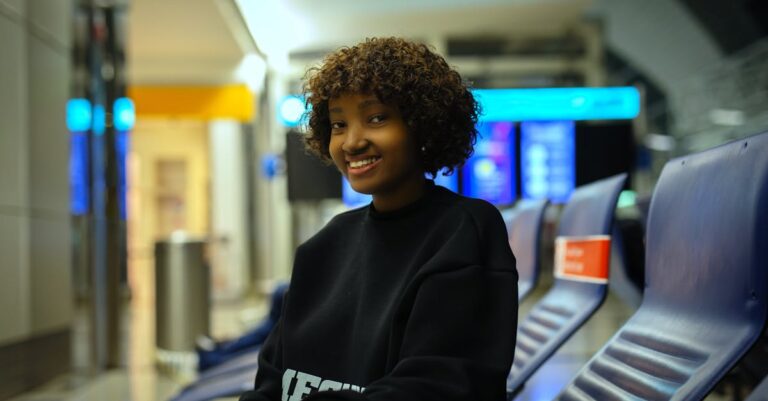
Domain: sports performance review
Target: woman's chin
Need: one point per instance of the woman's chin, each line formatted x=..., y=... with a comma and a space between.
x=361, y=189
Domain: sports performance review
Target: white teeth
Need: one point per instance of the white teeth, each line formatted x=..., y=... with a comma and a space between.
x=362, y=163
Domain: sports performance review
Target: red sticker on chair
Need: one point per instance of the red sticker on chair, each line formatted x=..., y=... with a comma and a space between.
x=583, y=258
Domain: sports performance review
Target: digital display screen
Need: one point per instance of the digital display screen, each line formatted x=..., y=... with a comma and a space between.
x=548, y=159
x=122, y=143
x=79, y=198
x=309, y=179
x=490, y=173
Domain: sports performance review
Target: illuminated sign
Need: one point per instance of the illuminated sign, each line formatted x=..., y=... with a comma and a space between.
x=78, y=115
x=124, y=114
x=548, y=104
x=584, y=259
x=291, y=110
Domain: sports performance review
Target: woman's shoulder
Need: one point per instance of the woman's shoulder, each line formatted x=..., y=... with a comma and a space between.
x=481, y=212
x=337, y=227
x=474, y=234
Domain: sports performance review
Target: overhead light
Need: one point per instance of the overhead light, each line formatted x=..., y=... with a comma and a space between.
x=275, y=27
x=252, y=70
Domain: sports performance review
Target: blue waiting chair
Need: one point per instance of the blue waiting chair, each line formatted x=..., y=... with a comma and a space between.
x=569, y=303
x=706, y=281
x=524, y=223
x=244, y=350
x=247, y=360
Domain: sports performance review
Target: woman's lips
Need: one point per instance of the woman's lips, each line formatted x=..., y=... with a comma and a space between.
x=357, y=171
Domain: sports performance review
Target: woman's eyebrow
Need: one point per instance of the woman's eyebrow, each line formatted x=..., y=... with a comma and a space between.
x=368, y=102
x=361, y=106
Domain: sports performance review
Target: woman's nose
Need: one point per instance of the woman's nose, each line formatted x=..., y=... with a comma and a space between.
x=355, y=141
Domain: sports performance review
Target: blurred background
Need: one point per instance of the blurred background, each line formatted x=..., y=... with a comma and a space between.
x=152, y=179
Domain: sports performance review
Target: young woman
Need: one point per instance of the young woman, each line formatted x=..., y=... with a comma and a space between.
x=413, y=297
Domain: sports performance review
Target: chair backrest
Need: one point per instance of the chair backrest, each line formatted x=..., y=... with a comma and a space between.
x=524, y=223
x=706, y=281
x=568, y=304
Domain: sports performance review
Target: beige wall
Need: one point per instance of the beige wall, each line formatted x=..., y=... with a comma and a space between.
x=229, y=213
x=156, y=184
x=35, y=289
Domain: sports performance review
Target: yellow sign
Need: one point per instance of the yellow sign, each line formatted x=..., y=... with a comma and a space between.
x=197, y=102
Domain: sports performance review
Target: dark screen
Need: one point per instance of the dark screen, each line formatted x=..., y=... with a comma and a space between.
x=308, y=177
x=603, y=150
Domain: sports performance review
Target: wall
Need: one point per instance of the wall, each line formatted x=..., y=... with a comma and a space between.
x=35, y=290
x=229, y=235
x=153, y=193
x=658, y=37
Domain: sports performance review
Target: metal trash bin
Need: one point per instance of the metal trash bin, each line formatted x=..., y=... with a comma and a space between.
x=182, y=292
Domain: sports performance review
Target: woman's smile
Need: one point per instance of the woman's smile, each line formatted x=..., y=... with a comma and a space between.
x=362, y=166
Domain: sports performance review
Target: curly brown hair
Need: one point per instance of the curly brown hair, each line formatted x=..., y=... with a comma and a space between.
x=436, y=105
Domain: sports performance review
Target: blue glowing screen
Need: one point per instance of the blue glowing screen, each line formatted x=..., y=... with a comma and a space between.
x=122, y=145
x=79, y=198
x=554, y=104
x=548, y=160
x=490, y=173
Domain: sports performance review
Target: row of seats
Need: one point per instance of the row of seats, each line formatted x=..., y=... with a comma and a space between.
x=704, y=300
x=569, y=303
x=706, y=282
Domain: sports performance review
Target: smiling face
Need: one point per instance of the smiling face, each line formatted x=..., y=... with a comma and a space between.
x=371, y=146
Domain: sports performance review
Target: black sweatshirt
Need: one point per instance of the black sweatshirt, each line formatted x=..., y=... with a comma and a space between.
x=415, y=304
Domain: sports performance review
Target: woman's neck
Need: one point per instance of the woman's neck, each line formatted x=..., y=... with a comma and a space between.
x=410, y=191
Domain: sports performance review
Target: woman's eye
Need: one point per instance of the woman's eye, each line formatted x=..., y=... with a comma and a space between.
x=377, y=119
x=337, y=125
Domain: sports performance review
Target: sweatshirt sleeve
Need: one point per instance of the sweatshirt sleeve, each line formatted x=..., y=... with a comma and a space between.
x=269, y=376
x=458, y=343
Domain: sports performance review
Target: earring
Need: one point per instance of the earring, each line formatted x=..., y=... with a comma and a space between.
x=423, y=149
